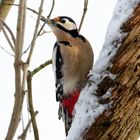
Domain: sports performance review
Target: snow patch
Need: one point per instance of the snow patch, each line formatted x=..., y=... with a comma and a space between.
x=122, y=12
x=88, y=107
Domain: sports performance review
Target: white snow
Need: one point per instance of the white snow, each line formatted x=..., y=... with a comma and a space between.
x=122, y=12
x=88, y=107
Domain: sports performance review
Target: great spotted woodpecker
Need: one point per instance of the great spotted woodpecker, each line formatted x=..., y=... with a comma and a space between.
x=72, y=60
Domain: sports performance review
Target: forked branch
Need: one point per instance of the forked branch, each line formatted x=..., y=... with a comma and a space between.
x=19, y=96
x=31, y=108
x=24, y=133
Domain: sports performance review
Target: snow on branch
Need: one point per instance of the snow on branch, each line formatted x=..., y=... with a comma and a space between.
x=88, y=107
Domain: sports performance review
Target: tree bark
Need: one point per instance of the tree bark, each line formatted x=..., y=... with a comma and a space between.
x=122, y=121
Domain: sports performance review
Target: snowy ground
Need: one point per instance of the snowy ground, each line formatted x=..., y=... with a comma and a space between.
x=88, y=107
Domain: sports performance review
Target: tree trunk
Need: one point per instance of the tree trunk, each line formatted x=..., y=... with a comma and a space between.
x=122, y=121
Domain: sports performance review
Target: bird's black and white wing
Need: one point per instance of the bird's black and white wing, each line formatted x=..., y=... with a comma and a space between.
x=57, y=67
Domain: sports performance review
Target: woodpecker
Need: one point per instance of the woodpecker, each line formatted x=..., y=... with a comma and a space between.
x=72, y=60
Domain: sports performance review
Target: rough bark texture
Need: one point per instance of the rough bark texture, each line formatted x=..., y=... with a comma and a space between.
x=122, y=121
x=5, y=6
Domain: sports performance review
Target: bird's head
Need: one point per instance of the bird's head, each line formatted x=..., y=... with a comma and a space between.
x=63, y=25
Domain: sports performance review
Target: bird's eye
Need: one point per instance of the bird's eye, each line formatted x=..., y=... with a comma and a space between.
x=63, y=21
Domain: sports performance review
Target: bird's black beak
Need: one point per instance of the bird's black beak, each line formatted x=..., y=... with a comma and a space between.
x=48, y=21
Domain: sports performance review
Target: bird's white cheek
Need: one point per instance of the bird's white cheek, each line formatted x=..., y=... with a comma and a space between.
x=68, y=26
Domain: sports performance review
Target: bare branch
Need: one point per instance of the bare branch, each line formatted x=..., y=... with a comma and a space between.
x=35, y=32
x=19, y=65
x=26, y=50
x=44, y=32
x=24, y=133
x=7, y=37
x=84, y=13
x=53, y=3
x=39, y=32
x=30, y=101
x=19, y=96
x=36, y=70
x=34, y=11
x=9, y=30
x=28, y=8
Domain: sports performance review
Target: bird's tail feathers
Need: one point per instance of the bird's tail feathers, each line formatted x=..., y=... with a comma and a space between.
x=64, y=114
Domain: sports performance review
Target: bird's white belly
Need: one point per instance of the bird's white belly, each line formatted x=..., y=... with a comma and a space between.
x=69, y=86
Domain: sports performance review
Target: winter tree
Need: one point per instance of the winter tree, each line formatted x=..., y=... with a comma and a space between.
x=108, y=107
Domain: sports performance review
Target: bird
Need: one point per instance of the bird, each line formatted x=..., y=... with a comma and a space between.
x=72, y=59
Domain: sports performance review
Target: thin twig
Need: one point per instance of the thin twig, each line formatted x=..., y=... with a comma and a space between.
x=28, y=8
x=30, y=101
x=24, y=133
x=9, y=30
x=6, y=51
x=44, y=32
x=39, y=32
x=7, y=37
x=35, y=32
x=84, y=13
x=53, y=3
x=34, y=11
x=36, y=70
